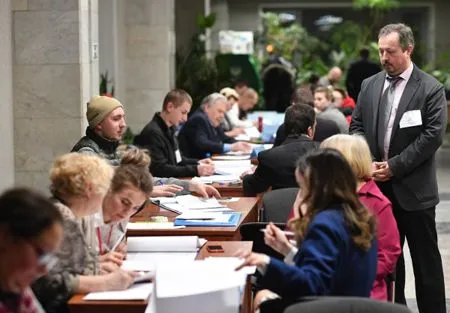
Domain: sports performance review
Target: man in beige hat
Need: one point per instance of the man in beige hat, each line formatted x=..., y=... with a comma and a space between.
x=227, y=124
x=106, y=118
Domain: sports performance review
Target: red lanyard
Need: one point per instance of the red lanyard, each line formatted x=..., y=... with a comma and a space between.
x=99, y=237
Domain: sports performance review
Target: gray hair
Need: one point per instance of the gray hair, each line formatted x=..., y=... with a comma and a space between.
x=212, y=99
x=404, y=32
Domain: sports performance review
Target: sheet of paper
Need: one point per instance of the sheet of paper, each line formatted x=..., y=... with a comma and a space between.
x=231, y=263
x=135, y=292
x=139, y=259
x=152, y=225
x=203, y=277
x=219, y=179
x=163, y=244
x=192, y=202
x=232, y=157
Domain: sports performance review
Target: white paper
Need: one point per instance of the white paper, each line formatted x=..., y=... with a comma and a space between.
x=203, y=277
x=152, y=225
x=411, y=119
x=181, y=204
x=232, y=167
x=135, y=292
x=163, y=244
x=230, y=263
x=232, y=157
x=137, y=260
x=219, y=179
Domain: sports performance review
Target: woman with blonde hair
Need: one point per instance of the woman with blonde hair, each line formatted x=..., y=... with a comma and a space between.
x=356, y=151
x=78, y=184
x=336, y=253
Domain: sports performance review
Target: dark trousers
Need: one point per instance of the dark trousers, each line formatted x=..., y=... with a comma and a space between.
x=419, y=229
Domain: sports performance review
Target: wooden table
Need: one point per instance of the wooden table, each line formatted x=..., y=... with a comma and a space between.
x=78, y=305
x=249, y=207
x=230, y=190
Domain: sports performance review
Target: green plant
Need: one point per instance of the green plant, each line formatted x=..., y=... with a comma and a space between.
x=104, y=82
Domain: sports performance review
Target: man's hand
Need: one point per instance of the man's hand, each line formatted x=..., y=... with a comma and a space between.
x=242, y=147
x=205, y=169
x=165, y=190
x=206, y=161
x=381, y=172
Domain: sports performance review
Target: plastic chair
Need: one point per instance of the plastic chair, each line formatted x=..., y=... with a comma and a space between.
x=277, y=204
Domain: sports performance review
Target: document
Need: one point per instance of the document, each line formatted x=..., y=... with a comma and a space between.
x=227, y=157
x=230, y=263
x=232, y=167
x=411, y=119
x=151, y=225
x=146, y=261
x=220, y=179
x=163, y=244
x=186, y=203
x=250, y=133
x=135, y=292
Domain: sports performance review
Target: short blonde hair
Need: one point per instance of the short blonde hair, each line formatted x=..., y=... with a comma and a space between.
x=355, y=150
x=73, y=173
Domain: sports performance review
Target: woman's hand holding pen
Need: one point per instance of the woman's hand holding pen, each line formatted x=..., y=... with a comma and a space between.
x=277, y=239
x=113, y=257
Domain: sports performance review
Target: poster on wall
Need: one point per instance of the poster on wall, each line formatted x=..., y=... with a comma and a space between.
x=234, y=42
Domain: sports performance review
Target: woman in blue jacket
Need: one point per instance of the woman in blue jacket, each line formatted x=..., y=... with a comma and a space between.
x=337, y=253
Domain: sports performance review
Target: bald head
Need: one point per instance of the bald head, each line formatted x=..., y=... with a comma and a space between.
x=335, y=74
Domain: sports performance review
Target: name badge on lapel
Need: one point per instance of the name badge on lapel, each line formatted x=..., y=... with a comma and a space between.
x=411, y=119
x=177, y=156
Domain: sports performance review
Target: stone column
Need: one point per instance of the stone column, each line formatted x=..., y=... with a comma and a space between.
x=6, y=98
x=149, y=58
x=220, y=8
x=55, y=72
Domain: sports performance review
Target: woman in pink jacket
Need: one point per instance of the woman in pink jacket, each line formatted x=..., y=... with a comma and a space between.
x=356, y=151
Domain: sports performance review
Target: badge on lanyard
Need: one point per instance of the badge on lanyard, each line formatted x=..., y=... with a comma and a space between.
x=177, y=156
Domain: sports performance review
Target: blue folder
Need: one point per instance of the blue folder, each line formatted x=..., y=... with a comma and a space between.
x=233, y=221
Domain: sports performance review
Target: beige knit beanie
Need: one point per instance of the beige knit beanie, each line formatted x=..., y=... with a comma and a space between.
x=99, y=107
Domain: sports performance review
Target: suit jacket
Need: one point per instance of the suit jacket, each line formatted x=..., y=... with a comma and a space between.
x=324, y=128
x=276, y=166
x=412, y=149
x=162, y=143
x=328, y=263
x=357, y=72
x=198, y=137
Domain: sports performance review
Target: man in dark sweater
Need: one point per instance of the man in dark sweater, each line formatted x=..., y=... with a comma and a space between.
x=158, y=136
x=276, y=166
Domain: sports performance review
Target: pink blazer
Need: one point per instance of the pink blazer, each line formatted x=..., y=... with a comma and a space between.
x=387, y=234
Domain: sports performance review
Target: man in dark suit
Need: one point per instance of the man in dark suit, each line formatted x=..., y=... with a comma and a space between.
x=158, y=136
x=358, y=71
x=202, y=135
x=324, y=127
x=402, y=112
x=276, y=166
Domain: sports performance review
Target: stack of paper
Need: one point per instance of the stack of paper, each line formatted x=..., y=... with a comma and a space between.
x=220, y=179
x=164, y=244
x=135, y=292
x=232, y=167
x=250, y=133
x=210, y=288
x=151, y=225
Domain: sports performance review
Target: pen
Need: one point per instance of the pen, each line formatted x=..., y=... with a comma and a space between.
x=287, y=233
x=118, y=242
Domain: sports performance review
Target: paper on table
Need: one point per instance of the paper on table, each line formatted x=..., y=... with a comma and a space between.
x=250, y=133
x=152, y=225
x=232, y=157
x=192, y=202
x=135, y=292
x=232, y=167
x=163, y=244
x=219, y=179
x=203, y=277
x=137, y=261
x=212, y=217
x=228, y=263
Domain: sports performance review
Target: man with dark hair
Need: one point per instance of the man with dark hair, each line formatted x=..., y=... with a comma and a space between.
x=276, y=167
x=158, y=136
x=324, y=127
x=402, y=112
x=358, y=71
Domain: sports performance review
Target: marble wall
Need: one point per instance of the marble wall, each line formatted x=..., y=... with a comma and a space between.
x=6, y=98
x=55, y=72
